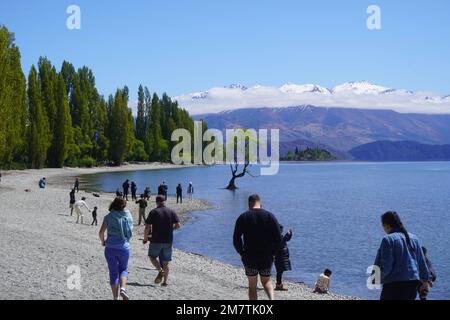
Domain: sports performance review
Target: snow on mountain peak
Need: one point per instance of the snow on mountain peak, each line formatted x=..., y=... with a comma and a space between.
x=303, y=88
x=360, y=94
x=361, y=87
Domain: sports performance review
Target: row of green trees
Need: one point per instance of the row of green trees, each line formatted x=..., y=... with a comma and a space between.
x=58, y=118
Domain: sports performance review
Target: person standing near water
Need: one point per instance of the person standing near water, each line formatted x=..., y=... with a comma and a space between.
x=282, y=260
x=94, y=217
x=125, y=187
x=162, y=190
x=133, y=191
x=147, y=193
x=179, y=193
x=142, y=206
x=160, y=224
x=257, y=239
x=77, y=185
x=401, y=261
x=118, y=224
x=78, y=205
x=72, y=201
x=190, y=190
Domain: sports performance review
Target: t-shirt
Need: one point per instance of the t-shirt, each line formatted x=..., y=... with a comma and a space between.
x=162, y=220
x=261, y=238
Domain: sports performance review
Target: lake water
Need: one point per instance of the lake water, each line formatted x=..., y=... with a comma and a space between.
x=333, y=208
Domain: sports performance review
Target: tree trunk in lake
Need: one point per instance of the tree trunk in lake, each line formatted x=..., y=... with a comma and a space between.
x=232, y=184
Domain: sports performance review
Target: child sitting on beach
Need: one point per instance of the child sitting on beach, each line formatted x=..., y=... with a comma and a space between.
x=323, y=282
x=94, y=216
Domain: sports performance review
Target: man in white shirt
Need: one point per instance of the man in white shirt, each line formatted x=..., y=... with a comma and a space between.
x=78, y=205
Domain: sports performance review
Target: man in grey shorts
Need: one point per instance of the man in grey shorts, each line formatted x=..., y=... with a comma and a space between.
x=257, y=238
x=160, y=224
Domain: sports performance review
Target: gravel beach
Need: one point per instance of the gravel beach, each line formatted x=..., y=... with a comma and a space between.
x=42, y=246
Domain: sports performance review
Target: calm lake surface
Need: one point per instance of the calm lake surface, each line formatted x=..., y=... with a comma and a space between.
x=333, y=208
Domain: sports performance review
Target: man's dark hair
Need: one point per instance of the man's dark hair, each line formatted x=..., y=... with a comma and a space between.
x=253, y=199
x=160, y=199
x=327, y=272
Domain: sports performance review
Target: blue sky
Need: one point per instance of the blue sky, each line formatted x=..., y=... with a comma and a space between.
x=186, y=46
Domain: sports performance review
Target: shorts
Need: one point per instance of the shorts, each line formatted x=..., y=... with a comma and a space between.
x=252, y=272
x=161, y=250
x=71, y=205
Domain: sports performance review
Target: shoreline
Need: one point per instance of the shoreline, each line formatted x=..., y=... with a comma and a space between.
x=40, y=250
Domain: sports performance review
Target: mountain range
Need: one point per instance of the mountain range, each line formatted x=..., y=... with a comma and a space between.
x=401, y=151
x=339, y=129
x=359, y=95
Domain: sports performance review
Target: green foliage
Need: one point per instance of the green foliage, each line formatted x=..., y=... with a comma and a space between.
x=59, y=118
x=309, y=154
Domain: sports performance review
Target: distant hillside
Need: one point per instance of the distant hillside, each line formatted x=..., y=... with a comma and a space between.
x=338, y=128
x=286, y=146
x=401, y=151
x=309, y=154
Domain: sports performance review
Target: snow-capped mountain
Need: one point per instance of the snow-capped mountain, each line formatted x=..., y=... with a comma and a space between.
x=359, y=94
x=303, y=88
x=361, y=88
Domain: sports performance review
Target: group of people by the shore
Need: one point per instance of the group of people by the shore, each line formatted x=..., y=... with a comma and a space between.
x=404, y=269
x=162, y=190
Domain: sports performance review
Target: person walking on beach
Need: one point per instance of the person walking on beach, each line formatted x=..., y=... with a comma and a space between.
x=160, y=224
x=162, y=190
x=282, y=260
x=257, y=239
x=179, y=193
x=72, y=201
x=94, y=216
x=142, y=206
x=401, y=261
x=77, y=185
x=133, y=191
x=126, y=187
x=190, y=190
x=78, y=205
x=147, y=193
x=118, y=224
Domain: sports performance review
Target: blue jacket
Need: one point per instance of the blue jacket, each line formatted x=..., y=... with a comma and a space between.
x=400, y=262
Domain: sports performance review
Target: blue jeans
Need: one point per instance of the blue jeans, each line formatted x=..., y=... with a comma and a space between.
x=117, y=264
x=161, y=250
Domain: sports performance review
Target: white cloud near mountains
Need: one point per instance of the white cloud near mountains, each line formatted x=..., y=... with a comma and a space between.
x=360, y=95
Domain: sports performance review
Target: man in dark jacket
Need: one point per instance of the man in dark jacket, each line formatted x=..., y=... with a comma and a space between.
x=162, y=190
x=257, y=239
x=126, y=187
x=179, y=193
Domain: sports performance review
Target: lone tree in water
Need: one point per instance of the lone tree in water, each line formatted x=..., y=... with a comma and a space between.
x=242, y=149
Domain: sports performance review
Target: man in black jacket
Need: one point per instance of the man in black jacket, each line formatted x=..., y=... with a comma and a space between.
x=257, y=239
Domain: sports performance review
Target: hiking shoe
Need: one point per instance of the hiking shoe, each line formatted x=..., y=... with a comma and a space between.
x=123, y=294
x=164, y=284
x=281, y=287
x=159, y=277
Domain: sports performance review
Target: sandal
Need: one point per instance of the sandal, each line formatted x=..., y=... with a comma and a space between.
x=159, y=277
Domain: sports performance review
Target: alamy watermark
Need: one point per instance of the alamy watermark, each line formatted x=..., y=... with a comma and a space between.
x=240, y=147
x=374, y=279
x=74, y=278
x=374, y=20
x=73, y=22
